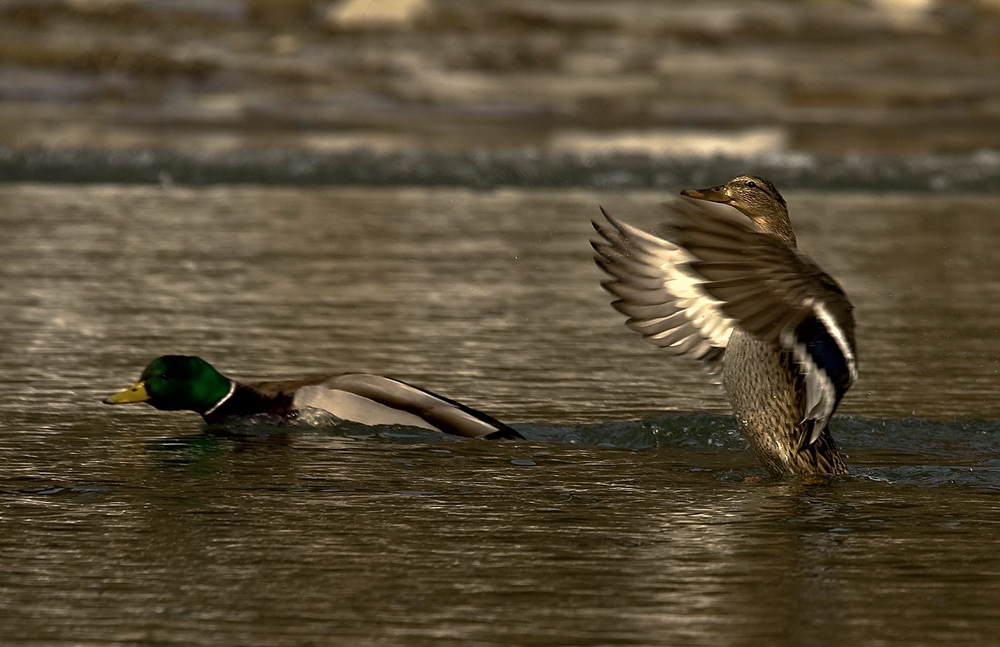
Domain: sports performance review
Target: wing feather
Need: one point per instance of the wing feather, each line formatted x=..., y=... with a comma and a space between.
x=653, y=284
x=379, y=396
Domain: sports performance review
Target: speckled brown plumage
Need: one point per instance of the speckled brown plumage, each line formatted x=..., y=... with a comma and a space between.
x=766, y=392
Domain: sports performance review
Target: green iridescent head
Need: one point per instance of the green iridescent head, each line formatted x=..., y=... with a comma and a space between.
x=177, y=383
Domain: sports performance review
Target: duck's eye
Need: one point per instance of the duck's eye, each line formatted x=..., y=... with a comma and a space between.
x=751, y=184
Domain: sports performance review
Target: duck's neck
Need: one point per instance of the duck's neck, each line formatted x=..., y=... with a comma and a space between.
x=776, y=224
x=205, y=389
x=229, y=387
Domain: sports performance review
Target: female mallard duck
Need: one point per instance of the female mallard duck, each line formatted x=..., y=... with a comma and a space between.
x=179, y=382
x=739, y=296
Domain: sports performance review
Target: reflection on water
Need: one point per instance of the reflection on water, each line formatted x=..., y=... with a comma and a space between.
x=622, y=519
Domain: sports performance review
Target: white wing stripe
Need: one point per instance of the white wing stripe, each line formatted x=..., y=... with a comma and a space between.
x=821, y=392
x=838, y=335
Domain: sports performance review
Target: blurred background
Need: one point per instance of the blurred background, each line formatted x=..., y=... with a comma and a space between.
x=602, y=93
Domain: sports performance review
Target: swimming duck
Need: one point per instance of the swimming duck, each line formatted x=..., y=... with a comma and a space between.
x=180, y=382
x=737, y=295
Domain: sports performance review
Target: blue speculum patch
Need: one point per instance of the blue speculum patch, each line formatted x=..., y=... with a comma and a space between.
x=825, y=352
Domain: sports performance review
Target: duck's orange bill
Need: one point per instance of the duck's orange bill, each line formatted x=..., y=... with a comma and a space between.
x=715, y=194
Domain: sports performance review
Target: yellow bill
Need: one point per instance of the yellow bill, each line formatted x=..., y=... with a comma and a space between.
x=135, y=393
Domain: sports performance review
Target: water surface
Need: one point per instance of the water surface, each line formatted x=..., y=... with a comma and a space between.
x=632, y=514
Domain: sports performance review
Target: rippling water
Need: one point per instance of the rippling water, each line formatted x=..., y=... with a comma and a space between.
x=626, y=517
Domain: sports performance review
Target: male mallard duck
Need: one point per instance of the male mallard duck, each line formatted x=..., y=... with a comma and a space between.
x=179, y=382
x=738, y=296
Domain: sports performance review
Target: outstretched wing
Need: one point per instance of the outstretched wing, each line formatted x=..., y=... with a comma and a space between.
x=663, y=297
x=780, y=296
x=713, y=271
